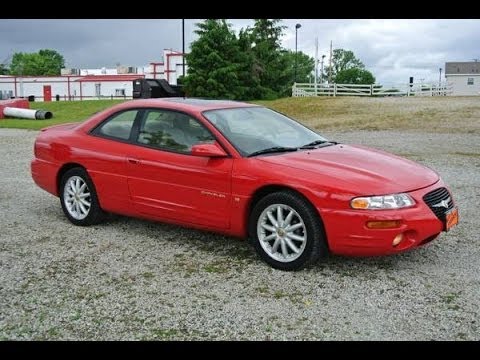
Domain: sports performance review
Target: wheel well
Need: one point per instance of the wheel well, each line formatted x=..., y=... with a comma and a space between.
x=269, y=189
x=63, y=170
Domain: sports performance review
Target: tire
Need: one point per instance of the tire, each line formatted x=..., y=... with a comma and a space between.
x=276, y=244
x=76, y=192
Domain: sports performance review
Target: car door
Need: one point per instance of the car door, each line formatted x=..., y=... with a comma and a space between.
x=106, y=150
x=166, y=181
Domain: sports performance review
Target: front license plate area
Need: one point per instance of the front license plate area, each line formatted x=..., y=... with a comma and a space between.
x=451, y=219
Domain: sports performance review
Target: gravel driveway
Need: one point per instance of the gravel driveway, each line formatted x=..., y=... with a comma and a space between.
x=134, y=279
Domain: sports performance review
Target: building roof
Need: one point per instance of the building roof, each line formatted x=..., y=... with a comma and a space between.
x=122, y=77
x=467, y=67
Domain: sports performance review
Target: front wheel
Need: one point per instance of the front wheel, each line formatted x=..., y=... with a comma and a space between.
x=79, y=199
x=286, y=231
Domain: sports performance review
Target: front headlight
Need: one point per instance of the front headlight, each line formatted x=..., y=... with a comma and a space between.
x=394, y=201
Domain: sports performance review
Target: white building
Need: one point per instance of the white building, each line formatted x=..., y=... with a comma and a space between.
x=46, y=88
x=464, y=77
x=87, y=84
x=169, y=69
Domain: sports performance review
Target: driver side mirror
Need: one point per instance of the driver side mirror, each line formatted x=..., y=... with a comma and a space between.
x=208, y=150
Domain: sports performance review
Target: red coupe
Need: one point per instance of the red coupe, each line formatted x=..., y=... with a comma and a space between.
x=243, y=170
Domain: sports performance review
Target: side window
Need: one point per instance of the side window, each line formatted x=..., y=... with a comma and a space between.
x=172, y=130
x=119, y=126
x=470, y=81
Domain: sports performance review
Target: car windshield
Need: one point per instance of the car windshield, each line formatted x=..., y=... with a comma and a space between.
x=253, y=129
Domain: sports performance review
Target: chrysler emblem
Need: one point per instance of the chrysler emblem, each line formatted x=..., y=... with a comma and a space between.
x=443, y=203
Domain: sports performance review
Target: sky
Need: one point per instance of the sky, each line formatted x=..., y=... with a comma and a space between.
x=392, y=49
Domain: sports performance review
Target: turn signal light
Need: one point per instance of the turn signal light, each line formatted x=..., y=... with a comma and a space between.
x=359, y=203
x=384, y=224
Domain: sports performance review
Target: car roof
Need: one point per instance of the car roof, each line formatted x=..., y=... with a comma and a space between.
x=195, y=104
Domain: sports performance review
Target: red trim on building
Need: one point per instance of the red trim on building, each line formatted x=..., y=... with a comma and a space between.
x=167, y=70
x=155, y=64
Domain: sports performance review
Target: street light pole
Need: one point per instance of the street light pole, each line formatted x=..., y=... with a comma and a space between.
x=297, y=26
x=183, y=48
x=440, y=78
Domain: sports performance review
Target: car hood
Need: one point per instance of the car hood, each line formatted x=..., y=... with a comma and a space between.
x=358, y=169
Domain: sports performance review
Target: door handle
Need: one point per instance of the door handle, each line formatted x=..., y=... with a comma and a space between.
x=133, y=161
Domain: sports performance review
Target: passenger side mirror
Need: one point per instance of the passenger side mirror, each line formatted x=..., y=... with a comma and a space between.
x=208, y=150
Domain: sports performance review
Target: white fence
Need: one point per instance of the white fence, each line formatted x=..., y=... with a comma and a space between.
x=415, y=89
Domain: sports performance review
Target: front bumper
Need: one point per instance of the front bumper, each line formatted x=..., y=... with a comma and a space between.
x=347, y=233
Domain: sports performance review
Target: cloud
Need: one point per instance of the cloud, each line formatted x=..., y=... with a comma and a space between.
x=393, y=49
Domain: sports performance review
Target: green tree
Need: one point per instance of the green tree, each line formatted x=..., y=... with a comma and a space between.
x=45, y=62
x=213, y=62
x=305, y=65
x=249, y=70
x=343, y=60
x=3, y=69
x=354, y=76
x=270, y=65
x=252, y=65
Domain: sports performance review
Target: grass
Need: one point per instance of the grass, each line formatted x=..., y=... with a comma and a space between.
x=431, y=114
x=63, y=112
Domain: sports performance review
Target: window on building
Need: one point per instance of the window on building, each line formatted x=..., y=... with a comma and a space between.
x=119, y=92
x=470, y=81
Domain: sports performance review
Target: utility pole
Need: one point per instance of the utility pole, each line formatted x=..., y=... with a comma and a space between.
x=440, y=78
x=330, y=65
x=321, y=69
x=316, y=62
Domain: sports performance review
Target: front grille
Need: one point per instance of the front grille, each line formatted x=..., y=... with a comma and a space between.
x=436, y=197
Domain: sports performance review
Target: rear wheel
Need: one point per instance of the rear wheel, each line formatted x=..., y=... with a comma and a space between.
x=286, y=231
x=79, y=199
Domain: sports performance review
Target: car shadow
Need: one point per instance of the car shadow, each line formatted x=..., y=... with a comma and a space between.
x=239, y=250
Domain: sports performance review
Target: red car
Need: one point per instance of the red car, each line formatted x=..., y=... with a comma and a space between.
x=242, y=170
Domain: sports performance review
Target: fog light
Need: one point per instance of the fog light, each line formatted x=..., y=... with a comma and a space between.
x=384, y=224
x=398, y=239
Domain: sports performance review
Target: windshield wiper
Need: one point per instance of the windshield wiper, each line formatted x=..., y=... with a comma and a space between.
x=273, y=150
x=317, y=142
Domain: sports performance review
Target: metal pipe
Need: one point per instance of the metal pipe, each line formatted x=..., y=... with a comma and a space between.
x=27, y=113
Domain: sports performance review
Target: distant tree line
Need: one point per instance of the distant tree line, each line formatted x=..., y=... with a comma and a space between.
x=44, y=62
